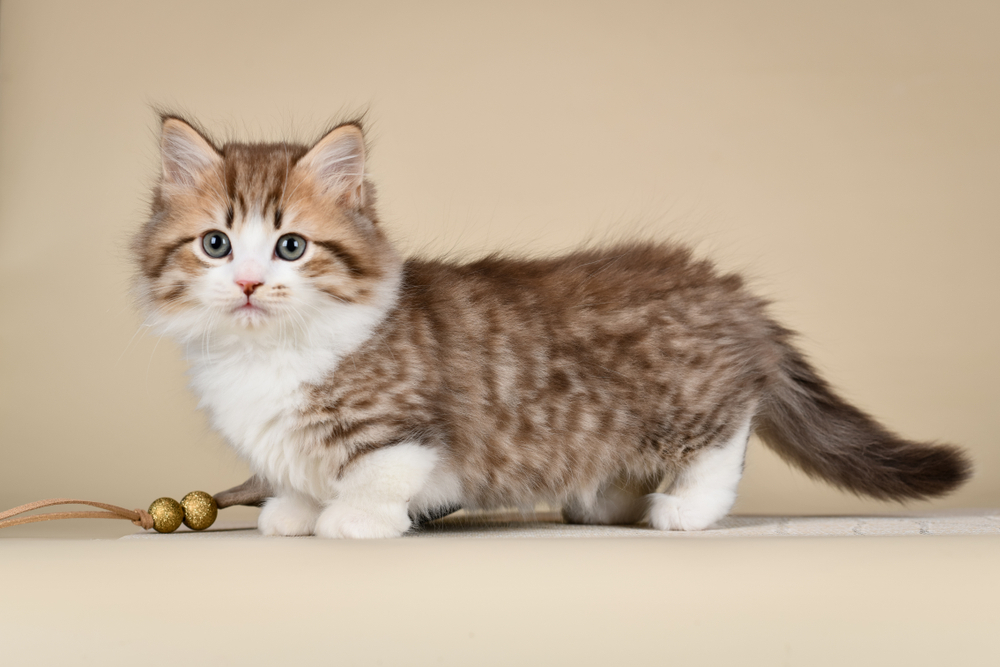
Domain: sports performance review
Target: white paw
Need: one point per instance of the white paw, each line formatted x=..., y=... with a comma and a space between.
x=287, y=516
x=379, y=521
x=668, y=512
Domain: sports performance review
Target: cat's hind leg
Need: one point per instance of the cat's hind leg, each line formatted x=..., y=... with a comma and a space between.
x=705, y=489
x=374, y=492
x=622, y=501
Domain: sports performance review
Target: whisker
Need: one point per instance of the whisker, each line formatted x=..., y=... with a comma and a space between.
x=130, y=340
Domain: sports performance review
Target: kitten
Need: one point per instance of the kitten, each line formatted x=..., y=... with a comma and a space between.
x=366, y=390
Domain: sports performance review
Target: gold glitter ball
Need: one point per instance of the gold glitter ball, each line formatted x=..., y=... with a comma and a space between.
x=167, y=515
x=200, y=510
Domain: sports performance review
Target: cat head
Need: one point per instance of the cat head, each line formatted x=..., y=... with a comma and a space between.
x=255, y=239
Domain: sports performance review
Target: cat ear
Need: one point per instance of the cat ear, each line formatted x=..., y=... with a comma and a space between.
x=185, y=153
x=337, y=163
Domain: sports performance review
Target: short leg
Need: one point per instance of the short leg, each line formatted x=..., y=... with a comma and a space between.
x=290, y=514
x=705, y=490
x=620, y=502
x=374, y=492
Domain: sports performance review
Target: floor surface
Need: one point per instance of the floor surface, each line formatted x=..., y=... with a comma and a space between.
x=621, y=598
x=550, y=525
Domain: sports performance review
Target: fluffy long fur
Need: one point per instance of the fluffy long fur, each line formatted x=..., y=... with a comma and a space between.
x=364, y=389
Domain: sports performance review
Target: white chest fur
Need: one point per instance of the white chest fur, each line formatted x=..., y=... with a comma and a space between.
x=255, y=388
x=255, y=396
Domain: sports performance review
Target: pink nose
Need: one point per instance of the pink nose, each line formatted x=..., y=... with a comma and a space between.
x=248, y=286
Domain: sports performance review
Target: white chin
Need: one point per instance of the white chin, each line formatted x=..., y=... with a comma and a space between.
x=250, y=318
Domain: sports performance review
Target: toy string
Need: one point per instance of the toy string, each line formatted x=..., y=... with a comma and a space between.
x=252, y=492
x=139, y=517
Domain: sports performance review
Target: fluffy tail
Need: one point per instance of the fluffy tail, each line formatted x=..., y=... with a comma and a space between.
x=809, y=425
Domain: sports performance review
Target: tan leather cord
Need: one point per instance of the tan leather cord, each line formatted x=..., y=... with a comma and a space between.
x=139, y=517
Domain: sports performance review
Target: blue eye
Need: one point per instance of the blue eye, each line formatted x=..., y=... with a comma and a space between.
x=216, y=244
x=290, y=247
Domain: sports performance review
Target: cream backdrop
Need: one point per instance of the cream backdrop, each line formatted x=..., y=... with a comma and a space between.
x=846, y=155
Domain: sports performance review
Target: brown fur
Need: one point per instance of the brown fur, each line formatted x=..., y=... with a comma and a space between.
x=538, y=379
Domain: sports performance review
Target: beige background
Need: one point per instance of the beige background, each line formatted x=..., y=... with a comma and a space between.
x=845, y=155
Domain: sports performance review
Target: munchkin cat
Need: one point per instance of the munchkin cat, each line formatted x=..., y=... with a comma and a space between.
x=367, y=391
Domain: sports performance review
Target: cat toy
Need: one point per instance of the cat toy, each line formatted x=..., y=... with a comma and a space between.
x=197, y=510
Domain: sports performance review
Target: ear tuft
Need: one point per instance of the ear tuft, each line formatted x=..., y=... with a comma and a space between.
x=185, y=153
x=337, y=163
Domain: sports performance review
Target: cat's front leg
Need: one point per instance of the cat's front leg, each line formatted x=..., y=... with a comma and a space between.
x=289, y=514
x=374, y=491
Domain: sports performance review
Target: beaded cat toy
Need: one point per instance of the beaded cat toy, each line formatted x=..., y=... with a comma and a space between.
x=197, y=510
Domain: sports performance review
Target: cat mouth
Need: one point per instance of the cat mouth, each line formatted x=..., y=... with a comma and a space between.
x=248, y=307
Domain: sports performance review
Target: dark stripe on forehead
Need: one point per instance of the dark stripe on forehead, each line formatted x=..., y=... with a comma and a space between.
x=274, y=201
x=167, y=254
x=229, y=216
x=236, y=201
x=346, y=258
x=230, y=184
x=256, y=178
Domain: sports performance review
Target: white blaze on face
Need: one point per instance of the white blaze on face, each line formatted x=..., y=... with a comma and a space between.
x=253, y=255
x=223, y=287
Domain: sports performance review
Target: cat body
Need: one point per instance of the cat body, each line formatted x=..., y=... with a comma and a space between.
x=367, y=390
